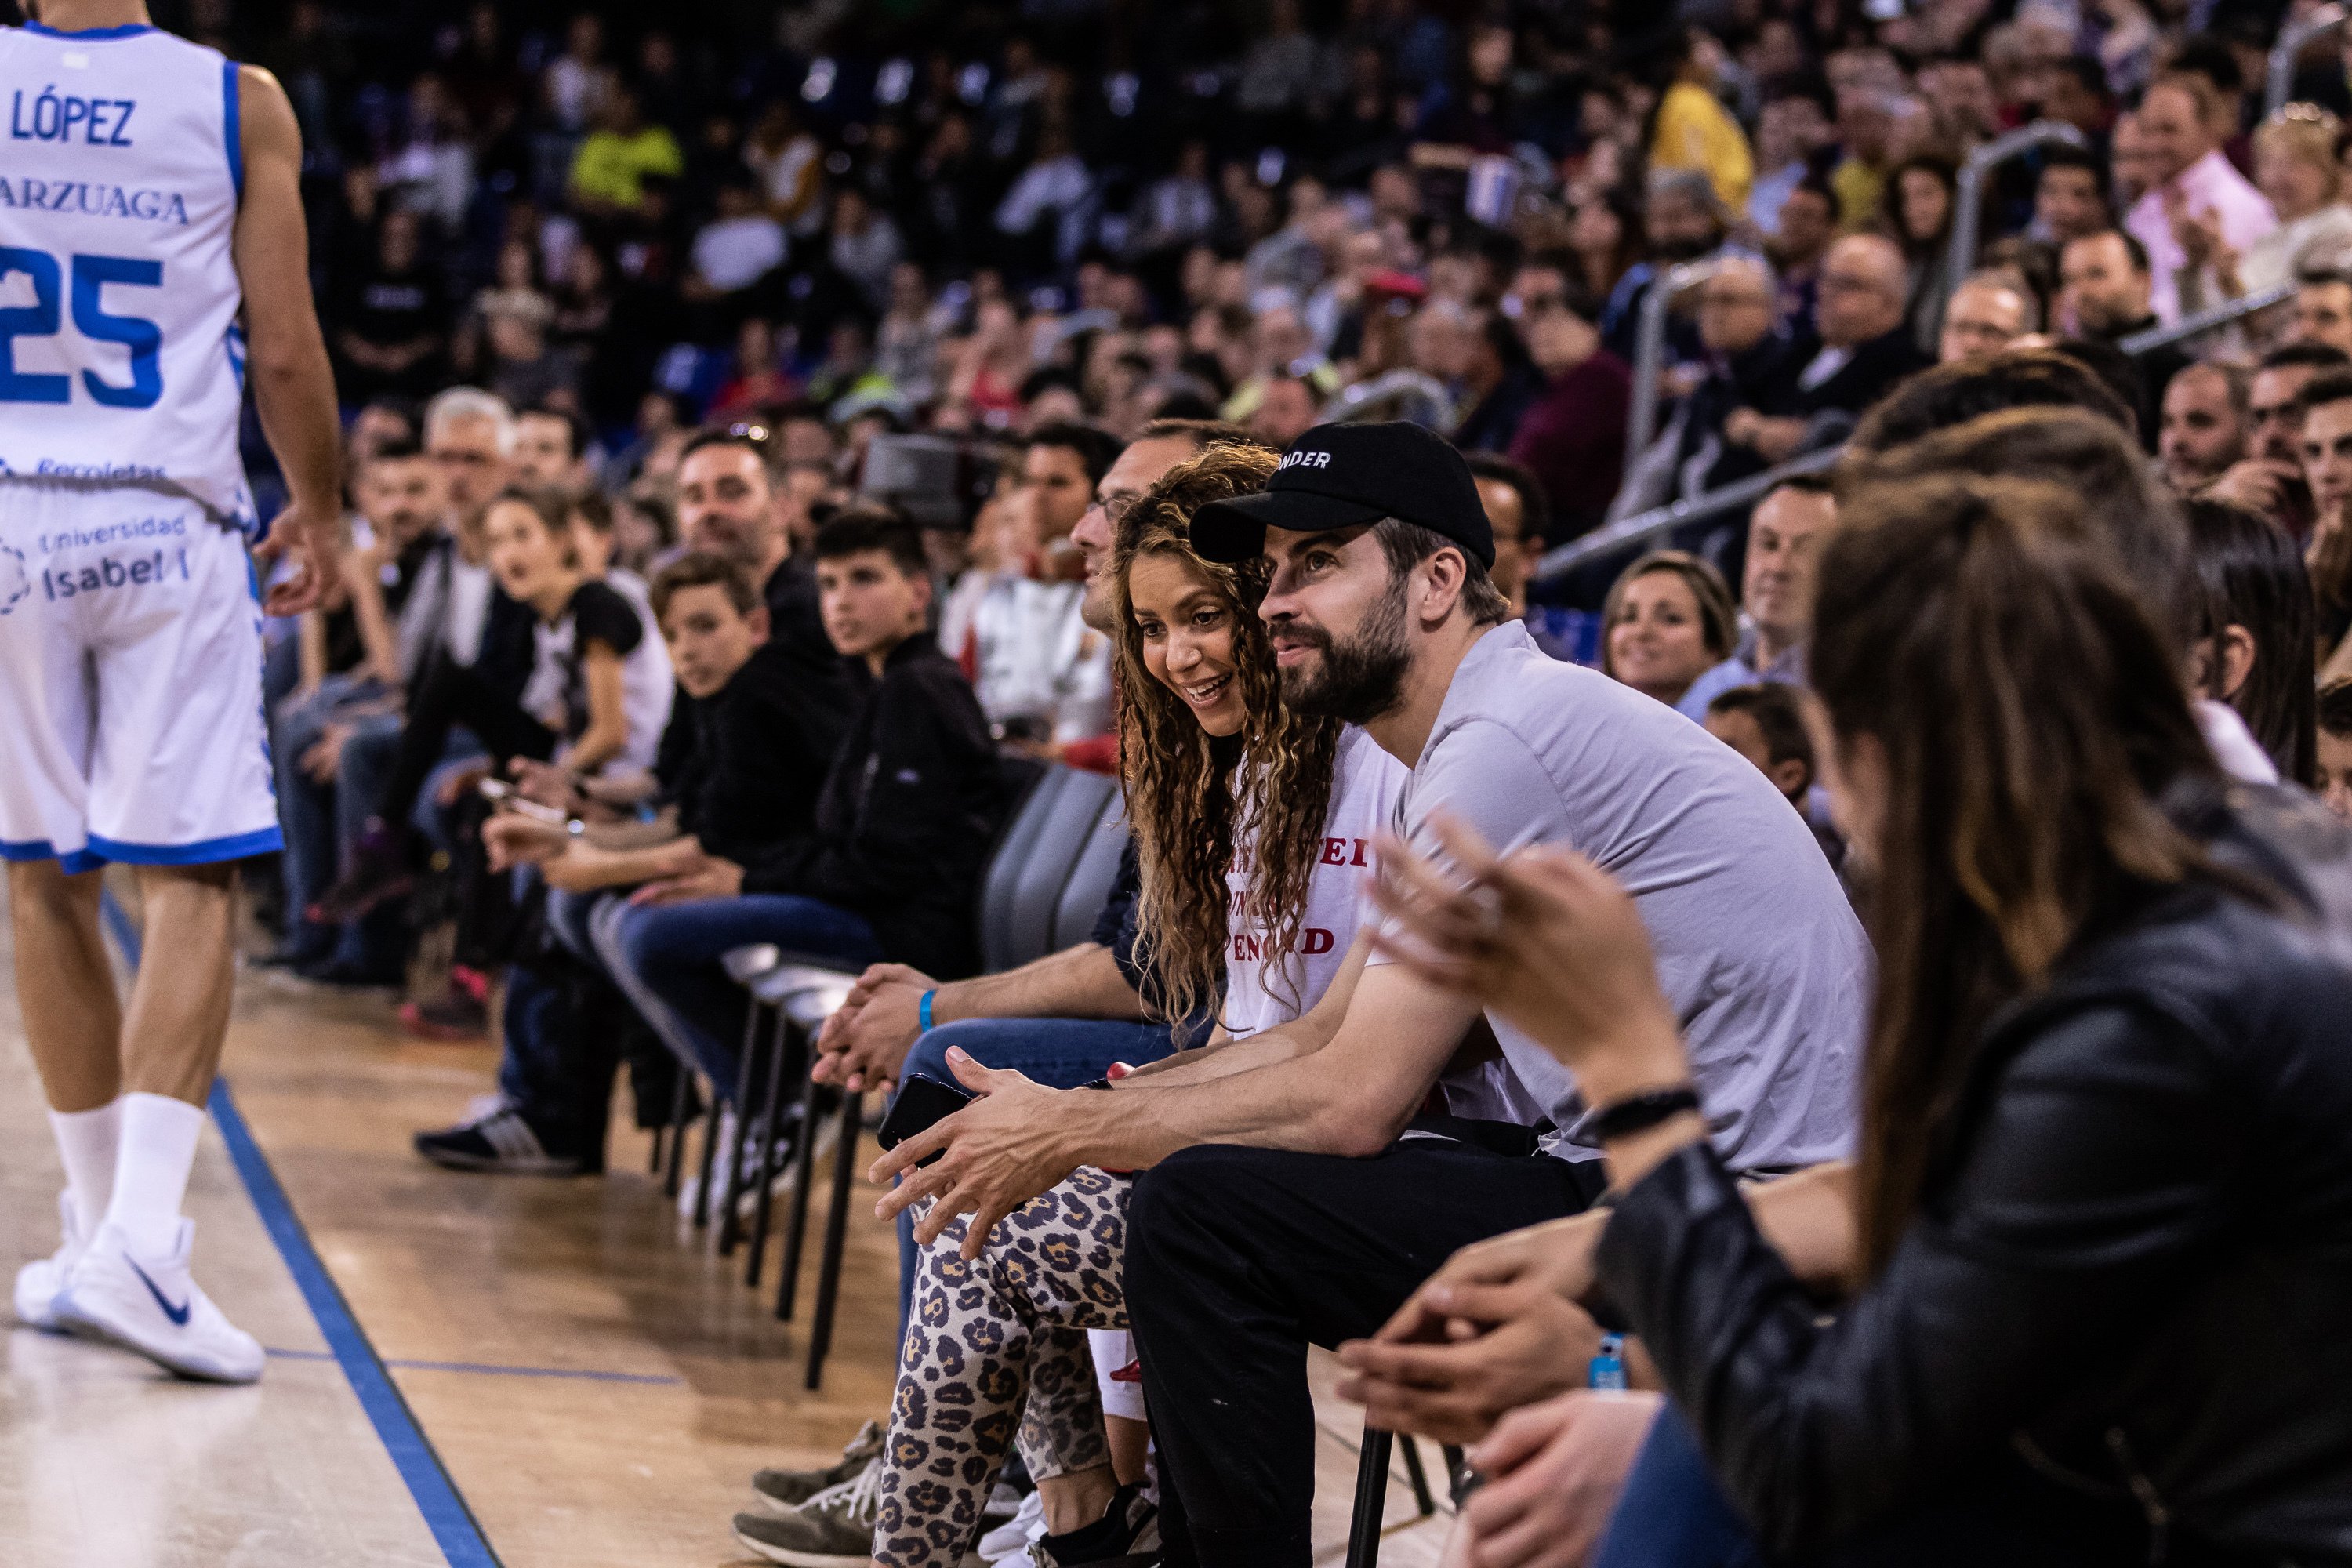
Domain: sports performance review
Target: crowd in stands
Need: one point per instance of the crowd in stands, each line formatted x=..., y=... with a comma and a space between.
x=1873, y=960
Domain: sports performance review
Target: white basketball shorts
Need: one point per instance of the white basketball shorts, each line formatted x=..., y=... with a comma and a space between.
x=130, y=721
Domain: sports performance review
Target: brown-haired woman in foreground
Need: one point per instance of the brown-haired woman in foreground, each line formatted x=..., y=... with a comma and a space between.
x=2104, y=1201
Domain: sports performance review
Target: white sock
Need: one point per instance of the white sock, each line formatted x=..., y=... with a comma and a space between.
x=85, y=1142
x=151, y=1168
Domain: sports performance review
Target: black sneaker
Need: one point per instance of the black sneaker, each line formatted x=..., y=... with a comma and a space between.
x=501, y=1142
x=783, y=1490
x=1126, y=1536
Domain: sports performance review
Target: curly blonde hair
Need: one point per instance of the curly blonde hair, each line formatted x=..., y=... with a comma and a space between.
x=1191, y=796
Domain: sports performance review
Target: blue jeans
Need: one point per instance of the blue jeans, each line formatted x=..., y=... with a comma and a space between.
x=667, y=959
x=1060, y=1053
x=1672, y=1514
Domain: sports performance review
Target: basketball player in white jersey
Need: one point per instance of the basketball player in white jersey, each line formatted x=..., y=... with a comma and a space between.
x=152, y=258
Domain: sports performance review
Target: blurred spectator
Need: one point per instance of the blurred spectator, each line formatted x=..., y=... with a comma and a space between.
x=1792, y=132
x=2269, y=478
x=2196, y=196
x=2297, y=169
x=1287, y=409
x=2333, y=780
x=865, y=246
x=391, y=321
x=1694, y=129
x=1519, y=513
x=1809, y=218
x=2203, y=428
x=2105, y=299
x=610, y=170
x=1920, y=196
x=2069, y=200
x=1681, y=220
x=1765, y=723
x=1573, y=436
x=1496, y=383
x=1785, y=537
x=1986, y=313
x=788, y=161
x=1750, y=363
x=2322, y=311
x=740, y=245
x=2254, y=637
x=1863, y=349
x=1667, y=621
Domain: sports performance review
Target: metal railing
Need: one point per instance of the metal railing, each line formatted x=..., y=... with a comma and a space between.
x=1968, y=199
x=2291, y=41
x=1650, y=345
x=1644, y=526
x=2206, y=320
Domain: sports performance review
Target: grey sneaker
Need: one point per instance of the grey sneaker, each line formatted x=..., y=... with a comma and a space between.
x=834, y=1529
x=784, y=1491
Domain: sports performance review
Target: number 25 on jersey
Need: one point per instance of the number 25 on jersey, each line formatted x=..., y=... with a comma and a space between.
x=42, y=318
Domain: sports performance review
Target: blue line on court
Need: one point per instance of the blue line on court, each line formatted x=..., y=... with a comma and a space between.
x=453, y=1524
x=491, y=1369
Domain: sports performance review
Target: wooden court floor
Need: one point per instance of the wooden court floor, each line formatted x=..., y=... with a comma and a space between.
x=595, y=1385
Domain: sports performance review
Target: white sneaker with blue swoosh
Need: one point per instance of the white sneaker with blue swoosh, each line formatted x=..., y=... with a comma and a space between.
x=38, y=1282
x=151, y=1304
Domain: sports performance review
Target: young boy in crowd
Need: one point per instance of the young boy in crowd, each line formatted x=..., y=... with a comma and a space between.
x=2334, y=782
x=888, y=865
x=1764, y=722
x=735, y=769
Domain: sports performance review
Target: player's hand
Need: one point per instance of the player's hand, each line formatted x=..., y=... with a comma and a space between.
x=297, y=538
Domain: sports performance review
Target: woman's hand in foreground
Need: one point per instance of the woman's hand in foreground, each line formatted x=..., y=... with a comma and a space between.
x=1556, y=1469
x=1544, y=938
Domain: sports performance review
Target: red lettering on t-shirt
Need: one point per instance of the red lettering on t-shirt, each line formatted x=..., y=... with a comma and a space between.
x=1362, y=844
x=1335, y=851
x=1315, y=940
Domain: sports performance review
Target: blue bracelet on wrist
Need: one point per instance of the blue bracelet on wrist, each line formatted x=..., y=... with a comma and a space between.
x=923, y=1011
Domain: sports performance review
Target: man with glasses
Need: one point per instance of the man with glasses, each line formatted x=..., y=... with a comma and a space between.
x=1989, y=311
x=1861, y=349
x=2269, y=478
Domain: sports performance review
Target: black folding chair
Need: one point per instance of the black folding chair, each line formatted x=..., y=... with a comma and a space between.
x=1372, y=1490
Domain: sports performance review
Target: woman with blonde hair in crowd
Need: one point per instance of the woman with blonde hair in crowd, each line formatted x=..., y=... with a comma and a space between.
x=2295, y=167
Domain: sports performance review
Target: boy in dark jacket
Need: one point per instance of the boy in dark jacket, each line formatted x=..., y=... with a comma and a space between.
x=889, y=865
x=743, y=761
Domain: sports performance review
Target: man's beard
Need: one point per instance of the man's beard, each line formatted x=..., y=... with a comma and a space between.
x=1357, y=680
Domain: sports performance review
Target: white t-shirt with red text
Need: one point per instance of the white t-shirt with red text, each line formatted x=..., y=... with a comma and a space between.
x=1264, y=990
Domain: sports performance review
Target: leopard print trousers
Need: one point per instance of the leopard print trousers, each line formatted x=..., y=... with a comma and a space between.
x=990, y=1341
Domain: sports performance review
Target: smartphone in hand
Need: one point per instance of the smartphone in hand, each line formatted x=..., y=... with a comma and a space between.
x=923, y=1100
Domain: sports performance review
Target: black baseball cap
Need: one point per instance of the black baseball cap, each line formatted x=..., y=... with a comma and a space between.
x=1342, y=476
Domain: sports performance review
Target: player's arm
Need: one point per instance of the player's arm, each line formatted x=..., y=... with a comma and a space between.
x=286, y=358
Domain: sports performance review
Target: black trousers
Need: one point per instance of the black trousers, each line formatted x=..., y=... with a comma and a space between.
x=1238, y=1259
x=447, y=695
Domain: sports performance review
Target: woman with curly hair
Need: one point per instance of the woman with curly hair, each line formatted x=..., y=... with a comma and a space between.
x=1253, y=825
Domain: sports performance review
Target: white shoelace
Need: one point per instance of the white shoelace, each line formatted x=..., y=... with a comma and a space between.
x=859, y=1498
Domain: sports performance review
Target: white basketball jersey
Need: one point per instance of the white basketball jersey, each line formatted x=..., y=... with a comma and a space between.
x=120, y=360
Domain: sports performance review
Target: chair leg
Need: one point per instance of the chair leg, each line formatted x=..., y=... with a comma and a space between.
x=796, y=1230
x=836, y=1231
x=782, y=1039
x=1454, y=1472
x=678, y=1105
x=1416, y=1474
x=734, y=1186
x=1371, y=1498
x=710, y=1120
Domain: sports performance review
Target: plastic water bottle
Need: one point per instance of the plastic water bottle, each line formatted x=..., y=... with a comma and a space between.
x=1608, y=1369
